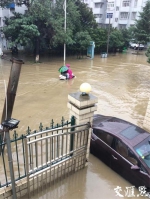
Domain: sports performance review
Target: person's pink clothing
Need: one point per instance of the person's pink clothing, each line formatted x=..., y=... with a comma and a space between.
x=69, y=71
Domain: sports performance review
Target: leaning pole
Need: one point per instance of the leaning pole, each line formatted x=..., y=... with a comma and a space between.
x=12, y=88
x=7, y=112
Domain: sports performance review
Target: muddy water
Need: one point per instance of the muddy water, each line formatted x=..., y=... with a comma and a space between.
x=121, y=84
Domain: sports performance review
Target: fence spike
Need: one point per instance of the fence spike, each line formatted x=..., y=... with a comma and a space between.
x=52, y=123
x=41, y=126
x=28, y=131
x=34, y=131
x=62, y=121
x=15, y=135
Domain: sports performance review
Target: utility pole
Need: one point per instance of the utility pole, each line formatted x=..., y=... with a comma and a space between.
x=65, y=32
x=108, y=35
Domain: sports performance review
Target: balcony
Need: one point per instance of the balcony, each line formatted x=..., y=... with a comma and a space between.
x=123, y=21
x=125, y=9
x=98, y=11
x=99, y=20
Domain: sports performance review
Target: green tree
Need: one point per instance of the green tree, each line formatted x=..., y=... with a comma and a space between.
x=148, y=54
x=20, y=30
x=82, y=41
x=87, y=19
x=126, y=36
x=5, y=3
x=142, y=25
x=49, y=20
x=99, y=36
x=116, y=40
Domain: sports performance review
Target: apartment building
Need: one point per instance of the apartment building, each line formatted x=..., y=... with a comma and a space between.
x=8, y=13
x=119, y=13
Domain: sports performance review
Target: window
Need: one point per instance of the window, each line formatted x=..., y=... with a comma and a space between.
x=143, y=150
x=98, y=15
x=124, y=15
x=109, y=15
x=117, y=8
x=122, y=26
x=110, y=4
x=98, y=5
x=125, y=152
x=133, y=16
x=126, y=3
x=116, y=19
x=135, y=3
x=107, y=138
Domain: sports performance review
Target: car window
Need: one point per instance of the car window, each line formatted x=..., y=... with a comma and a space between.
x=143, y=150
x=106, y=137
x=125, y=151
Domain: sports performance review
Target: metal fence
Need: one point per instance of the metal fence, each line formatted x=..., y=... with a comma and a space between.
x=53, y=154
x=18, y=151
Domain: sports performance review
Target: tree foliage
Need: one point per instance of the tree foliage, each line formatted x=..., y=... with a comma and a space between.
x=142, y=25
x=20, y=30
x=82, y=41
x=4, y=3
x=148, y=54
x=87, y=19
x=116, y=40
x=99, y=36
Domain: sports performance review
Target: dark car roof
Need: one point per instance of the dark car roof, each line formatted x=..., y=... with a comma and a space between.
x=124, y=130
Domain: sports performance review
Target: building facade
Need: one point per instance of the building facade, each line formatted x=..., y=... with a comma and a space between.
x=119, y=13
x=8, y=13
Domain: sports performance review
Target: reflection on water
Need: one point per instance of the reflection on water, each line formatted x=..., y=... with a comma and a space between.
x=122, y=86
x=95, y=181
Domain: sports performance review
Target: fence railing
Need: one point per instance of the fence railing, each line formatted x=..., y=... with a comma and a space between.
x=18, y=152
x=50, y=156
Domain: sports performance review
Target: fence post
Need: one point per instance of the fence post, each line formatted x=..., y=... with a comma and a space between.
x=82, y=107
x=72, y=135
x=10, y=160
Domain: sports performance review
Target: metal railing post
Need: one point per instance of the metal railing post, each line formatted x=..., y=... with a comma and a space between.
x=7, y=136
x=72, y=135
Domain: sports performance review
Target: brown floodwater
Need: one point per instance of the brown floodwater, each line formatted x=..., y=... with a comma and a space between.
x=122, y=86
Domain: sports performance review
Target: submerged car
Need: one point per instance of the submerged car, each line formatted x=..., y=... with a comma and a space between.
x=136, y=46
x=124, y=147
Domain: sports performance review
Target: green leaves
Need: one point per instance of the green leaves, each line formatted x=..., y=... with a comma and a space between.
x=20, y=30
x=142, y=25
x=82, y=40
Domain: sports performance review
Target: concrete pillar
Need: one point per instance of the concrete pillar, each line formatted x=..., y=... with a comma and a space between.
x=146, y=122
x=82, y=107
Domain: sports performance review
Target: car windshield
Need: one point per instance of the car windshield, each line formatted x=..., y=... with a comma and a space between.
x=143, y=150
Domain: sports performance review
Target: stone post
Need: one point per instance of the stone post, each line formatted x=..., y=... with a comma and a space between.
x=82, y=107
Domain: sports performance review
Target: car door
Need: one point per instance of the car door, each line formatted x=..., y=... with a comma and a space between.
x=101, y=145
x=124, y=162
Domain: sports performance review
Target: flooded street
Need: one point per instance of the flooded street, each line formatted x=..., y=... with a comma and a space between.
x=122, y=86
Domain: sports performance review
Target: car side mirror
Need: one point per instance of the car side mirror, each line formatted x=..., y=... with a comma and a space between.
x=135, y=167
